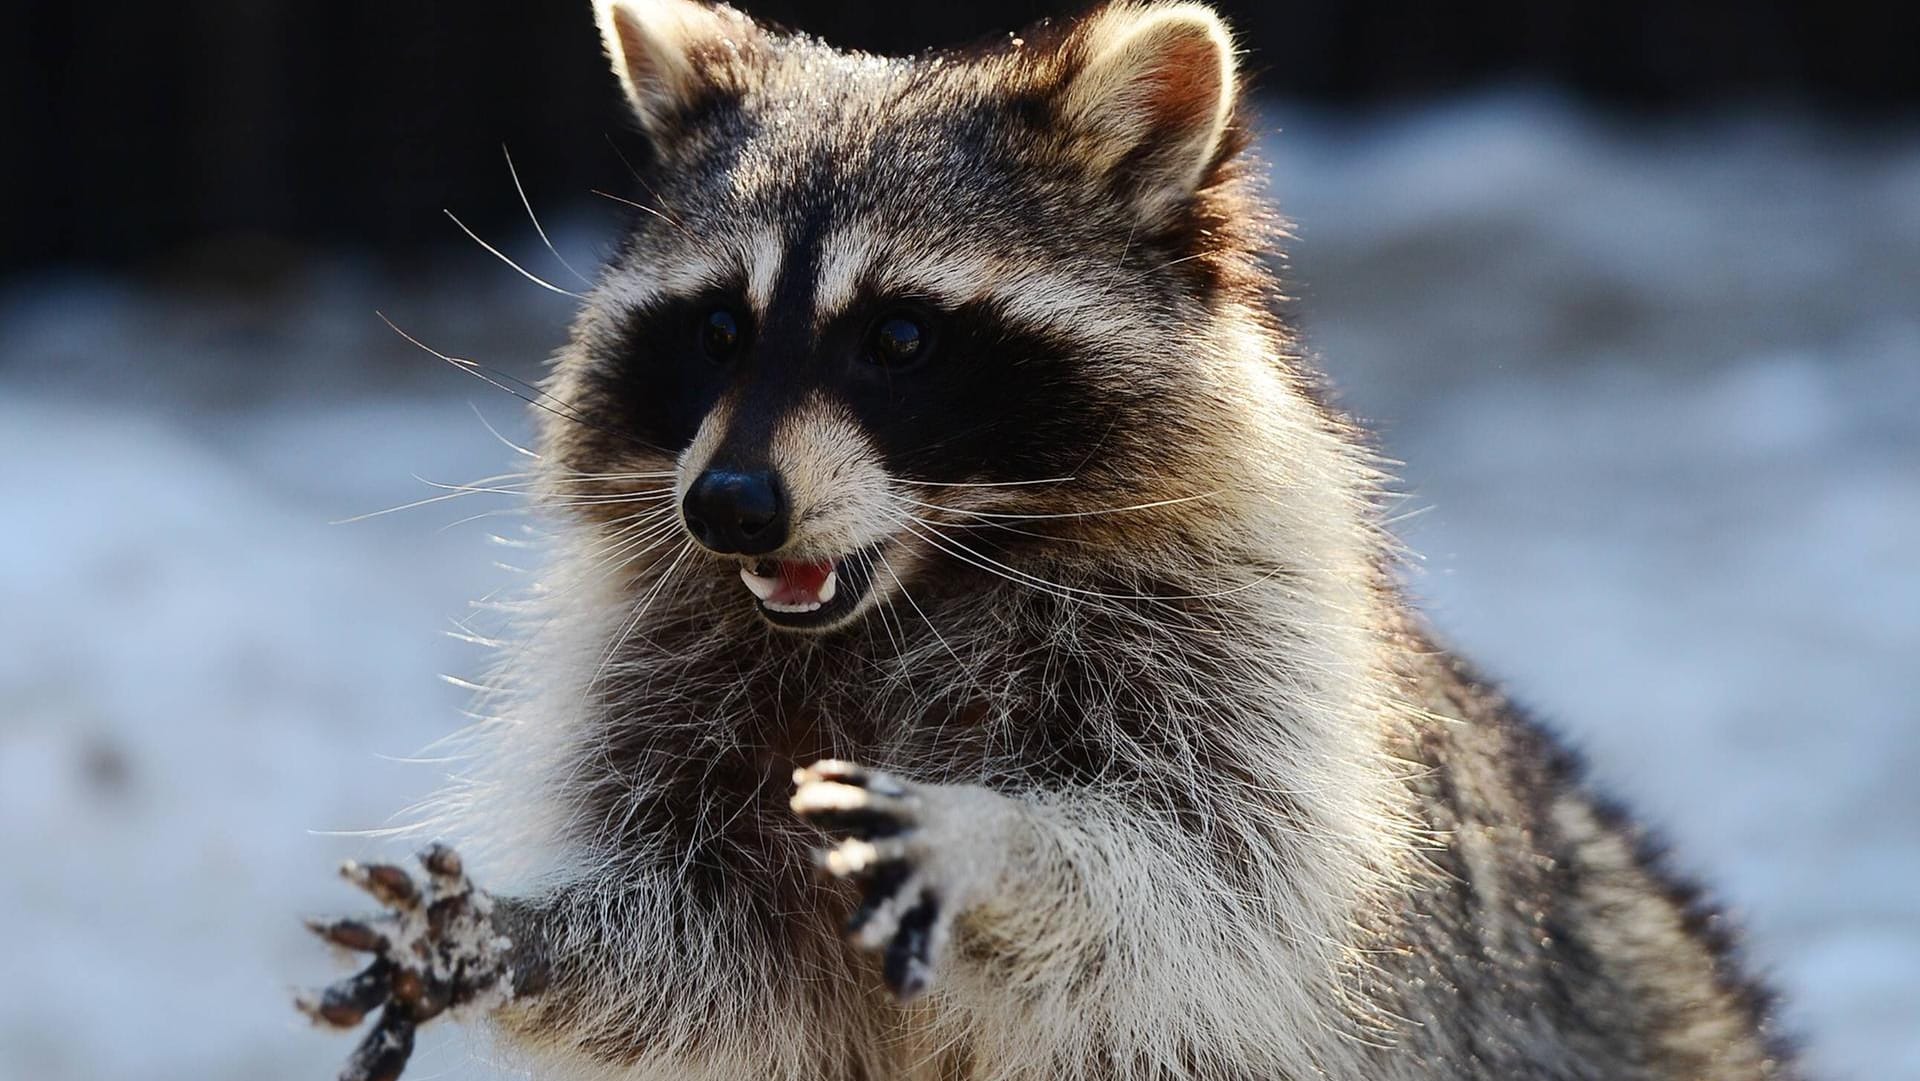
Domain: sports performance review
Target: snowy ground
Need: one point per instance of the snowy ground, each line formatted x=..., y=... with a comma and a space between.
x=1657, y=391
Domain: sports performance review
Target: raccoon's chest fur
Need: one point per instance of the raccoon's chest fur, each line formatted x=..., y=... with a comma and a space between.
x=682, y=781
x=697, y=733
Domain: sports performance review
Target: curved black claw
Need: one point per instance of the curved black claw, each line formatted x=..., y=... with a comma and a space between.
x=348, y=1002
x=384, y=1053
x=435, y=948
x=907, y=962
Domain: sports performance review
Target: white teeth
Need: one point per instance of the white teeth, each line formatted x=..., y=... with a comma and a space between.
x=764, y=586
x=811, y=606
x=761, y=585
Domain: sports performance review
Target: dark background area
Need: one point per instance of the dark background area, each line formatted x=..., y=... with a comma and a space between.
x=218, y=134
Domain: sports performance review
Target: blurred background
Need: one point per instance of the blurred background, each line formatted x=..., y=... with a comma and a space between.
x=1632, y=288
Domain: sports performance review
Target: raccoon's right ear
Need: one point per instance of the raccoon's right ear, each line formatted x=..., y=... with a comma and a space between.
x=670, y=55
x=1149, y=95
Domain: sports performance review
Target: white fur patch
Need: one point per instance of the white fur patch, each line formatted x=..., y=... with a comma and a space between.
x=765, y=252
x=636, y=284
x=1036, y=297
x=844, y=258
x=842, y=496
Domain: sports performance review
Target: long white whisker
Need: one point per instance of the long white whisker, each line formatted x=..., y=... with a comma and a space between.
x=562, y=500
x=528, y=486
x=454, y=491
x=884, y=611
x=622, y=526
x=1011, y=516
x=561, y=407
x=500, y=512
x=500, y=255
x=638, y=206
x=973, y=559
x=510, y=444
x=665, y=212
x=528, y=204
x=986, y=483
x=985, y=523
x=608, y=500
x=640, y=611
x=642, y=536
x=575, y=477
x=441, y=498
x=1016, y=574
x=923, y=615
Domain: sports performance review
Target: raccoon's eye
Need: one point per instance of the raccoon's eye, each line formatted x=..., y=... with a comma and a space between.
x=719, y=333
x=897, y=341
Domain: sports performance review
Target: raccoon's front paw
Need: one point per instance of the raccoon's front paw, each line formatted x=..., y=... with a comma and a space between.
x=919, y=853
x=433, y=949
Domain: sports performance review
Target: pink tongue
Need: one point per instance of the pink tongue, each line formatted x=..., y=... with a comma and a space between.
x=800, y=582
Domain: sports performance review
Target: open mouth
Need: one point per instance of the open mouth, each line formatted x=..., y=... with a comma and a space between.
x=810, y=593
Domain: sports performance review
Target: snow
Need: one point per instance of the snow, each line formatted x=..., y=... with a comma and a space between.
x=1656, y=390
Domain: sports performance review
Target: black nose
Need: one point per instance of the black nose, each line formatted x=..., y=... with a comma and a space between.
x=737, y=513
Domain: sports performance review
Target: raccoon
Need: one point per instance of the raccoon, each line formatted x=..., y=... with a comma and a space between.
x=972, y=648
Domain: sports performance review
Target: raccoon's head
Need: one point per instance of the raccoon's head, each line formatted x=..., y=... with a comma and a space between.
x=904, y=324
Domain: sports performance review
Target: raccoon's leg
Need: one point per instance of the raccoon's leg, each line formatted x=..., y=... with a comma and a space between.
x=1114, y=933
x=437, y=948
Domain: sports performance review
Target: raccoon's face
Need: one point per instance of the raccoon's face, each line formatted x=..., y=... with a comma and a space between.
x=887, y=323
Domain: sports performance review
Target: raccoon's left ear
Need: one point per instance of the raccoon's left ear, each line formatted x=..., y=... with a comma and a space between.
x=670, y=55
x=1148, y=97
